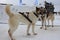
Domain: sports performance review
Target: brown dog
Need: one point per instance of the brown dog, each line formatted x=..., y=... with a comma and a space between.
x=44, y=18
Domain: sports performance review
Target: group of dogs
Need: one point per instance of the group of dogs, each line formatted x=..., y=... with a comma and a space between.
x=30, y=19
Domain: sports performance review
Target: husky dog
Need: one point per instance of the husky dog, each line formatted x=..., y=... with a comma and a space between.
x=51, y=17
x=14, y=20
x=46, y=16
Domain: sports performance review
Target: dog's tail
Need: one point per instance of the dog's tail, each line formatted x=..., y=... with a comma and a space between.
x=9, y=13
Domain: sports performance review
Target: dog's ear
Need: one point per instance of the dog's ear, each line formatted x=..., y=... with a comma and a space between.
x=37, y=8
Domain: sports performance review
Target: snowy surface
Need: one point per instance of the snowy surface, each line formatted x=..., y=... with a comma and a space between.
x=20, y=33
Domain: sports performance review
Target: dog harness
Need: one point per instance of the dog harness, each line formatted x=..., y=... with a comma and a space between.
x=35, y=14
x=25, y=17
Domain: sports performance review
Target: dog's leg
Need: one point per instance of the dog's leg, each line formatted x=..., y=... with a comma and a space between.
x=33, y=27
x=11, y=31
x=12, y=28
x=48, y=23
x=52, y=24
x=45, y=21
x=52, y=20
x=42, y=24
x=45, y=25
x=28, y=29
x=10, y=34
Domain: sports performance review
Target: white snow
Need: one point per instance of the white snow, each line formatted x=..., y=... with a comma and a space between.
x=20, y=33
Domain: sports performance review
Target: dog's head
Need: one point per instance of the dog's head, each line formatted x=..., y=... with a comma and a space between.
x=43, y=10
x=38, y=10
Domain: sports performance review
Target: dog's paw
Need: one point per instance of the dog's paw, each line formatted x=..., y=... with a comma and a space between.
x=34, y=33
x=45, y=28
x=28, y=34
x=52, y=26
x=41, y=27
x=48, y=25
x=12, y=39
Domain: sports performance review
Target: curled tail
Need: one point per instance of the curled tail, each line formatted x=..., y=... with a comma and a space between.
x=9, y=13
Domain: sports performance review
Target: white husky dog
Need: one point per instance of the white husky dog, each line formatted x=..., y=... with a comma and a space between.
x=14, y=20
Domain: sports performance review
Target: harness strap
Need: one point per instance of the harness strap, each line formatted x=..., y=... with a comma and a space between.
x=27, y=14
x=35, y=14
x=25, y=17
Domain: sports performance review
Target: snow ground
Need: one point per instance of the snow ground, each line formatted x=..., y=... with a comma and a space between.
x=20, y=33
